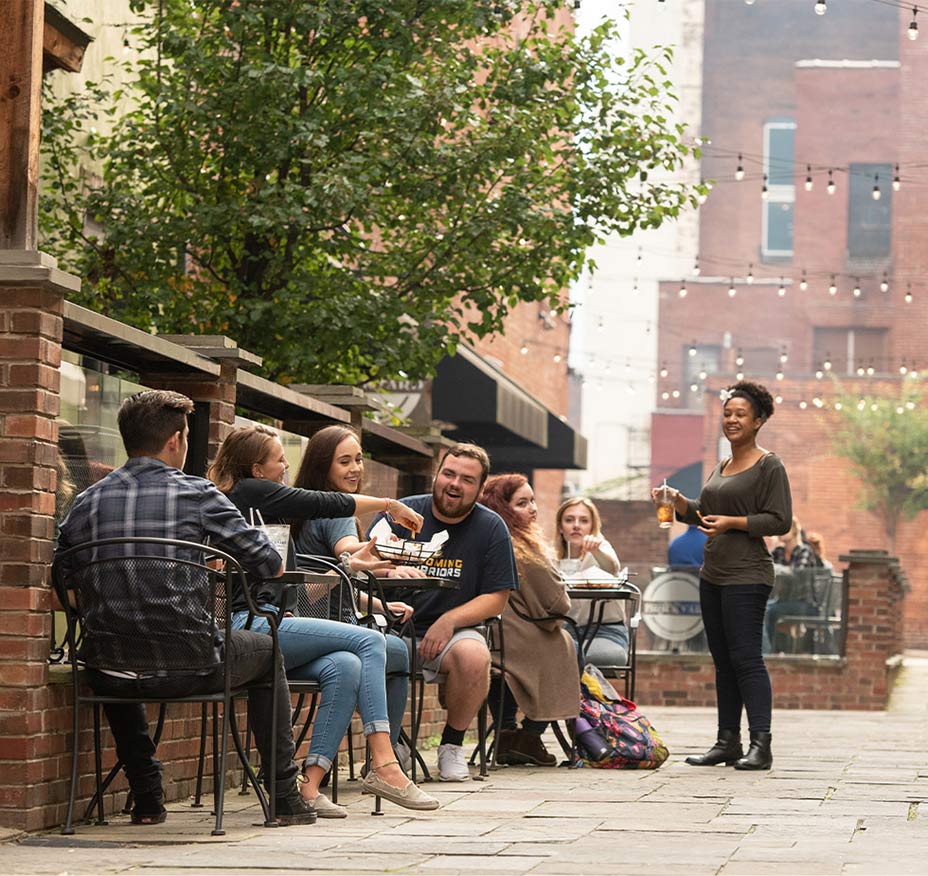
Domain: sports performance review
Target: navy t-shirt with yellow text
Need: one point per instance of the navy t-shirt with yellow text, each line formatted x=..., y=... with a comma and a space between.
x=478, y=555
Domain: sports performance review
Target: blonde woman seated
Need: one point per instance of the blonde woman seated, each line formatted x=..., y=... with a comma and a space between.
x=578, y=536
x=542, y=676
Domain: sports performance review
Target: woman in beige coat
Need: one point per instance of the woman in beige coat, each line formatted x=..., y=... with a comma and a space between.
x=542, y=676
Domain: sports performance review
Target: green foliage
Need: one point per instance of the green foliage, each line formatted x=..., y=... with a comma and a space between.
x=348, y=188
x=886, y=440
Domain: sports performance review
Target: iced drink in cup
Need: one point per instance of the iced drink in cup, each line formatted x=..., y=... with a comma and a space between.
x=664, y=500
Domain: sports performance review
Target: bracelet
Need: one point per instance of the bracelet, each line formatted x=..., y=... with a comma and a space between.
x=386, y=506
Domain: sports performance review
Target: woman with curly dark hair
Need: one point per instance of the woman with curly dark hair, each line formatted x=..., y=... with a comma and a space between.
x=746, y=497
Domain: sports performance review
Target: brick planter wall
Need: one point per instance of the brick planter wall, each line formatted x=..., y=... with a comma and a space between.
x=862, y=679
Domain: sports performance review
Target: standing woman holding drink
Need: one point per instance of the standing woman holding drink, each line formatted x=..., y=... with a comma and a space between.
x=746, y=497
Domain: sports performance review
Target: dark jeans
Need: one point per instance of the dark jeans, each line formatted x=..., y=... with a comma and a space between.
x=507, y=721
x=734, y=618
x=250, y=656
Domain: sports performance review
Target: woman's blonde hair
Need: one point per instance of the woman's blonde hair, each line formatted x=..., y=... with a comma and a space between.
x=239, y=452
x=560, y=545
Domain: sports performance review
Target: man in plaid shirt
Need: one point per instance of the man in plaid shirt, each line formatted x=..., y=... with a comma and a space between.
x=150, y=496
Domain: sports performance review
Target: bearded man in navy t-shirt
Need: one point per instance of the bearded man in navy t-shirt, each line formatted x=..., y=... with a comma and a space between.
x=478, y=556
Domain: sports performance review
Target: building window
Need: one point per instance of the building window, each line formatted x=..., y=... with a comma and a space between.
x=850, y=349
x=868, y=220
x=779, y=149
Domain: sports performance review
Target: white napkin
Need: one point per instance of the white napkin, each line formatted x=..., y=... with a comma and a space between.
x=385, y=535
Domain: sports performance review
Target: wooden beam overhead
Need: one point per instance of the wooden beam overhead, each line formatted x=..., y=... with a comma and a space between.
x=64, y=43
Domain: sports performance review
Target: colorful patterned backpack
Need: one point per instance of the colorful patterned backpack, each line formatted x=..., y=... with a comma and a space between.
x=632, y=742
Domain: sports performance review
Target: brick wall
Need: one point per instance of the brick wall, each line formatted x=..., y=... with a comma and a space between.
x=862, y=679
x=30, y=354
x=632, y=529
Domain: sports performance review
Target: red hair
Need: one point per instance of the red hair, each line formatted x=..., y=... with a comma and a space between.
x=497, y=494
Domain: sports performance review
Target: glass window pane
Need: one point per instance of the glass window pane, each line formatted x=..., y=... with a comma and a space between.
x=869, y=220
x=780, y=151
x=779, y=237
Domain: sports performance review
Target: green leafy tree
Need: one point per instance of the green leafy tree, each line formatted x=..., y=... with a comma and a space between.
x=886, y=440
x=349, y=187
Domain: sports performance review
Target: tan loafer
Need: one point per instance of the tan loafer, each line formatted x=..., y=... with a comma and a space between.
x=410, y=797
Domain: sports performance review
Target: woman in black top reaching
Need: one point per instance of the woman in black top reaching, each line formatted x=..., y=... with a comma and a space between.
x=746, y=497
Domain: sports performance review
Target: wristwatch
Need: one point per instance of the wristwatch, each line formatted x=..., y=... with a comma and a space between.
x=345, y=560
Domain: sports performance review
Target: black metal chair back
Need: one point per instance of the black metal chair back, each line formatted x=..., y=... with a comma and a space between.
x=122, y=617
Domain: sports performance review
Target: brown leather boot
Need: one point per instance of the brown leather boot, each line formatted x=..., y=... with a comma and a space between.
x=522, y=747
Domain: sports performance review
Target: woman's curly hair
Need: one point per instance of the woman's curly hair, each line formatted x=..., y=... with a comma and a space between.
x=756, y=394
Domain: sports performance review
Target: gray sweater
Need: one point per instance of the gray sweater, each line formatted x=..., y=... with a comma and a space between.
x=760, y=493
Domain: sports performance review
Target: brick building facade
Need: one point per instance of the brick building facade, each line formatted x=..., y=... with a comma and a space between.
x=822, y=281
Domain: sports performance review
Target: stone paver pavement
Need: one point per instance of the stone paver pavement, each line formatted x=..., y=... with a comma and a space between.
x=846, y=796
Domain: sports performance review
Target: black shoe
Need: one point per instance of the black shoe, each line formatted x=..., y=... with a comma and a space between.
x=149, y=808
x=727, y=750
x=759, y=756
x=293, y=809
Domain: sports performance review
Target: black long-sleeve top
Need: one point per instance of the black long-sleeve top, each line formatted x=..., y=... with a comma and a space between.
x=280, y=504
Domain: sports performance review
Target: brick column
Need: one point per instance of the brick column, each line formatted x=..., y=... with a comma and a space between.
x=874, y=626
x=31, y=306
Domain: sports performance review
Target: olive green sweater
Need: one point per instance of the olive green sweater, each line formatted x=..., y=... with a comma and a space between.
x=761, y=494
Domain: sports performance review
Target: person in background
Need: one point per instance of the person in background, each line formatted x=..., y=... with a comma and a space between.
x=793, y=550
x=746, y=497
x=542, y=676
x=348, y=661
x=578, y=535
x=794, y=592
x=478, y=556
x=687, y=549
x=817, y=543
x=333, y=461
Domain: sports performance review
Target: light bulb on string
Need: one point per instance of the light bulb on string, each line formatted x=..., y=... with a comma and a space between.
x=874, y=407
x=557, y=357
x=739, y=170
x=782, y=290
x=876, y=194
x=820, y=7
x=779, y=375
x=819, y=374
x=912, y=32
x=635, y=287
x=830, y=186
x=910, y=405
x=664, y=371
x=838, y=406
x=692, y=350
x=870, y=369
x=696, y=267
x=676, y=393
x=665, y=395
x=900, y=410
x=524, y=349
x=902, y=368
x=803, y=283
x=808, y=182
x=833, y=286
x=702, y=375
x=784, y=358
x=803, y=405
x=884, y=283
x=750, y=277
x=682, y=291
x=860, y=371
x=779, y=399
x=732, y=291
x=763, y=192
x=856, y=292
x=701, y=196
x=908, y=293
x=739, y=375
x=827, y=363
x=897, y=182
x=739, y=360
x=694, y=387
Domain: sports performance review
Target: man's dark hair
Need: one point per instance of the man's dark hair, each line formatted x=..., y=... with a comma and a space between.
x=470, y=451
x=148, y=419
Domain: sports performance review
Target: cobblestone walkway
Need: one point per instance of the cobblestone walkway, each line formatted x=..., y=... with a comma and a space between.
x=846, y=795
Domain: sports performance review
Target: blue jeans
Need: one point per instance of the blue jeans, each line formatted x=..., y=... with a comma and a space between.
x=348, y=661
x=609, y=647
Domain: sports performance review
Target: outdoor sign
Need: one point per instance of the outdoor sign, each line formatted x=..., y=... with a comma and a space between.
x=671, y=606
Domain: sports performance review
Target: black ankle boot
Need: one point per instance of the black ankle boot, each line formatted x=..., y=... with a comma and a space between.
x=727, y=750
x=758, y=756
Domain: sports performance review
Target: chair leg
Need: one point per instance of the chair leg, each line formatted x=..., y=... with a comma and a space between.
x=244, y=789
x=68, y=829
x=250, y=775
x=351, y=773
x=215, y=745
x=201, y=759
x=219, y=763
x=98, y=762
x=482, y=741
x=566, y=747
x=333, y=779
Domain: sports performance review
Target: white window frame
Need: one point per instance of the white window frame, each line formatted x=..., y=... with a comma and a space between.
x=776, y=194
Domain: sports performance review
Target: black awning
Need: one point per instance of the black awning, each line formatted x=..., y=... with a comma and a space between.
x=481, y=404
x=566, y=449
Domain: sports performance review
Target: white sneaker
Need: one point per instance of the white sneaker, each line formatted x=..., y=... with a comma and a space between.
x=452, y=764
x=404, y=756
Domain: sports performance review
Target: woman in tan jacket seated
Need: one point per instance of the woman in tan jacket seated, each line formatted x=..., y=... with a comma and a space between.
x=542, y=676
